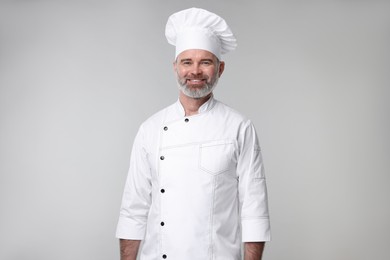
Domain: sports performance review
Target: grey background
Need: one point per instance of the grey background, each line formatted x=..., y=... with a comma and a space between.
x=78, y=77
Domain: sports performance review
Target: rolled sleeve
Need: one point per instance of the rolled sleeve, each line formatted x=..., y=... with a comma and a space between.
x=256, y=230
x=129, y=228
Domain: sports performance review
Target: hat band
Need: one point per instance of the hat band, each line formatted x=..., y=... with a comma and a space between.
x=198, y=39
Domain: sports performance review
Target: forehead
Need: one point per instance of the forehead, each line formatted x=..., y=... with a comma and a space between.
x=196, y=54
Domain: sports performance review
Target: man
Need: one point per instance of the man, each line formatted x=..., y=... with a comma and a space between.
x=196, y=186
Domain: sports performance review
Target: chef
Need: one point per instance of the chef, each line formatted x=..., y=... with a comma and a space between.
x=196, y=188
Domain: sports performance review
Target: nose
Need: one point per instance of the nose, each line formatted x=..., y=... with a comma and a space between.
x=196, y=70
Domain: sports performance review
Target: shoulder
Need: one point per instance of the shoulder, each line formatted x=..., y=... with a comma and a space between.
x=231, y=113
x=156, y=119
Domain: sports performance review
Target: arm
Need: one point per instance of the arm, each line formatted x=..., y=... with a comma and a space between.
x=252, y=193
x=136, y=201
x=253, y=250
x=129, y=249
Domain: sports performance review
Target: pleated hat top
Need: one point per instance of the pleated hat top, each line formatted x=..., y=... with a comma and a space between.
x=197, y=28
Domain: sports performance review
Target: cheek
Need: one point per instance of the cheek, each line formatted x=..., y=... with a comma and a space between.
x=212, y=73
x=182, y=72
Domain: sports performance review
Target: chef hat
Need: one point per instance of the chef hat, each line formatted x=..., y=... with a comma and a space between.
x=197, y=28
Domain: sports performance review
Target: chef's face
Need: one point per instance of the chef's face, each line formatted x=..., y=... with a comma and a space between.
x=197, y=72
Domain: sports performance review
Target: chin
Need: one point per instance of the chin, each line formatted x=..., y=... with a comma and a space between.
x=196, y=95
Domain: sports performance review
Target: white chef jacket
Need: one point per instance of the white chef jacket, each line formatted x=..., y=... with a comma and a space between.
x=196, y=187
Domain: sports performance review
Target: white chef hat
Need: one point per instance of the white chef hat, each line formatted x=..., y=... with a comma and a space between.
x=197, y=28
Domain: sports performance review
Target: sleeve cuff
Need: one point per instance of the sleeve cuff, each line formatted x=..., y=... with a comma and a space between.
x=256, y=230
x=129, y=228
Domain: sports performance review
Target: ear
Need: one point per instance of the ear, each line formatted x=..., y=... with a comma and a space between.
x=174, y=66
x=221, y=68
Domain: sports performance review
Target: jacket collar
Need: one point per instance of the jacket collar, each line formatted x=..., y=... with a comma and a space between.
x=207, y=106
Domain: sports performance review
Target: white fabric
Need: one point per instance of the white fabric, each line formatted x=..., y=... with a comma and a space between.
x=197, y=28
x=214, y=186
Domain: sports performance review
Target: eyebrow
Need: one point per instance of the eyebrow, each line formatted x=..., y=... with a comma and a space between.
x=211, y=60
x=183, y=60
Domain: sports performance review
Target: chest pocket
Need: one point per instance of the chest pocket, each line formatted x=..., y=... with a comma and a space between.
x=217, y=157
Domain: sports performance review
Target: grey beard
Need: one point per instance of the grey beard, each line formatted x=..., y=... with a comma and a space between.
x=196, y=92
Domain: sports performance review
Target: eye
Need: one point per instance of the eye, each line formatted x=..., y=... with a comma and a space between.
x=186, y=62
x=206, y=62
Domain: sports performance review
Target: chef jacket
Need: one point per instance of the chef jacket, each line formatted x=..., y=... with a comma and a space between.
x=196, y=187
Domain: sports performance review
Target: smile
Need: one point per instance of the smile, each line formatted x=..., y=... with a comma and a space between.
x=195, y=80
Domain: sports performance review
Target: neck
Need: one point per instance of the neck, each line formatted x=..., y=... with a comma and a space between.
x=191, y=105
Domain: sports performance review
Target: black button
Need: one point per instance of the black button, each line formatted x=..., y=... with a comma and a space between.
x=165, y=128
x=162, y=157
x=162, y=223
x=164, y=256
x=162, y=190
x=186, y=120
